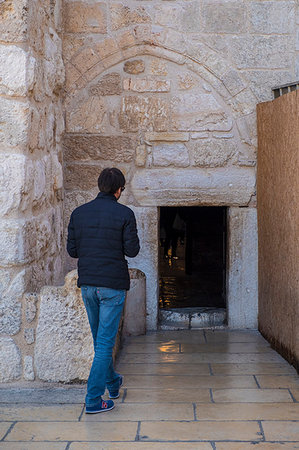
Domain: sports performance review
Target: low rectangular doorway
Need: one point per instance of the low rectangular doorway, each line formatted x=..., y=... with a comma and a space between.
x=192, y=258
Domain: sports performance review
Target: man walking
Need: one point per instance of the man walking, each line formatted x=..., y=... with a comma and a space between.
x=100, y=234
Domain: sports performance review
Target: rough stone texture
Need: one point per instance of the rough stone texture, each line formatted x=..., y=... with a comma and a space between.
x=134, y=67
x=14, y=118
x=213, y=153
x=242, y=287
x=115, y=148
x=189, y=187
x=135, y=308
x=108, y=85
x=228, y=17
x=14, y=17
x=272, y=17
x=29, y=335
x=63, y=349
x=147, y=259
x=10, y=361
x=123, y=16
x=12, y=285
x=146, y=113
x=278, y=219
x=80, y=17
x=28, y=368
x=146, y=85
x=30, y=306
x=170, y=155
x=82, y=177
x=16, y=70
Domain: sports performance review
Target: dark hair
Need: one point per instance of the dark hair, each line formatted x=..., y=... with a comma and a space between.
x=110, y=180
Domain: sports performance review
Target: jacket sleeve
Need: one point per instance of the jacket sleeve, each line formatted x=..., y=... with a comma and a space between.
x=131, y=245
x=71, y=241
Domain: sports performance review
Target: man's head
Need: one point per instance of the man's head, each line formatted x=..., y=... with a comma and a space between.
x=111, y=181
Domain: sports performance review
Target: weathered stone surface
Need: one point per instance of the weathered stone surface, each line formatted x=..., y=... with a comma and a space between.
x=141, y=153
x=233, y=82
x=123, y=16
x=186, y=81
x=272, y=17
x=198, y=112
x=91, y=115
x=11, y=289
x=80, y=17
x=261, y=51
x=29, y=335
x=262, y=82
x=147, y=259
x=30, y=306
x=144, y=113
x=87, y=58
x=14, y=19
x=14, y=119
x=109, y=84
x=213, y=153
x=169, y=136
x=170, y=155
x=10, y=361
x=16, y=70
x=158, y=67
x=146, y=85
x=135, y=307
x=134, y=67
x=115, y=148
x=82, y=176
x=242, y=280
x=28, y=370
x=220, y=17
x=63, y=349
x=190, y=19
x=220, y=186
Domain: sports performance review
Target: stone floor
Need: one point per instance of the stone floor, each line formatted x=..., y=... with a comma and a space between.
x=223, y=390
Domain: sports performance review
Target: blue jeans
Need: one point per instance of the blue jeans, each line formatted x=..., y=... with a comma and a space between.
x=104, y=309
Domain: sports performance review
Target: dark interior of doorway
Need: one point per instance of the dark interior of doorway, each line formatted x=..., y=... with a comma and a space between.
x=192, y=257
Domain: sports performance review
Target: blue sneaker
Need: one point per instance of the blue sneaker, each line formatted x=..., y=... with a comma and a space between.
x=115, y=392
x=102, y=406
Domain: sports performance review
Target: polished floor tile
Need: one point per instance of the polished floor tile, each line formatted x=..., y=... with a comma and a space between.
x=281, y=431
x=251, y=395
x=200, y=431
x=167, y=395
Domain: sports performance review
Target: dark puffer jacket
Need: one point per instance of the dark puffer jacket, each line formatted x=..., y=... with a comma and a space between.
x=101, y=233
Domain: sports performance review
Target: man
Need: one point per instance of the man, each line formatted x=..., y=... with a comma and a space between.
x=100, y=234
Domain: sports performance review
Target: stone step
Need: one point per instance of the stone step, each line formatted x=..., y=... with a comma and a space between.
x=191, y=318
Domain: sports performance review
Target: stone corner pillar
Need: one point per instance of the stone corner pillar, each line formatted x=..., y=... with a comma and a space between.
x=242, y=282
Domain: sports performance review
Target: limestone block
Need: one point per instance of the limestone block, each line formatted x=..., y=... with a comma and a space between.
x=191, y=187
x=91, y=115
x=85, y=59
x=158, y=67
x=147, y=259
x=144, y=113
x=28, y=368
x=81, y=176
x=174, y=320
x=16, y=173
x=198, y=112
x=106, y=48
x=261, y=51
x=168, y=136
x=223, y=17
x=186, y=81
x=12, y=286
x=30, y=306
x=242, y=289
x=134, y=67
x=146, y=85
x=233, y=82
x=14, y=119
x=16, y=70
x=212, y=152
x=54, y=73
x=109, y=84
x=10, y=361
x=141, y=153
x=115, y=148
x=29, y=335
x=123, y=16
x=170, y=154
x=272, y=17
x=135, y=307
x=80, y=17
x=14, y=19
x=63, y=349
x=13, y=248
x=191, y=17
x=262, y=82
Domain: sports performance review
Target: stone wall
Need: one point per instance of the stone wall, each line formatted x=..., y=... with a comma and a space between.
x=167, y=91
x=278, y=217
x=31, y=77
